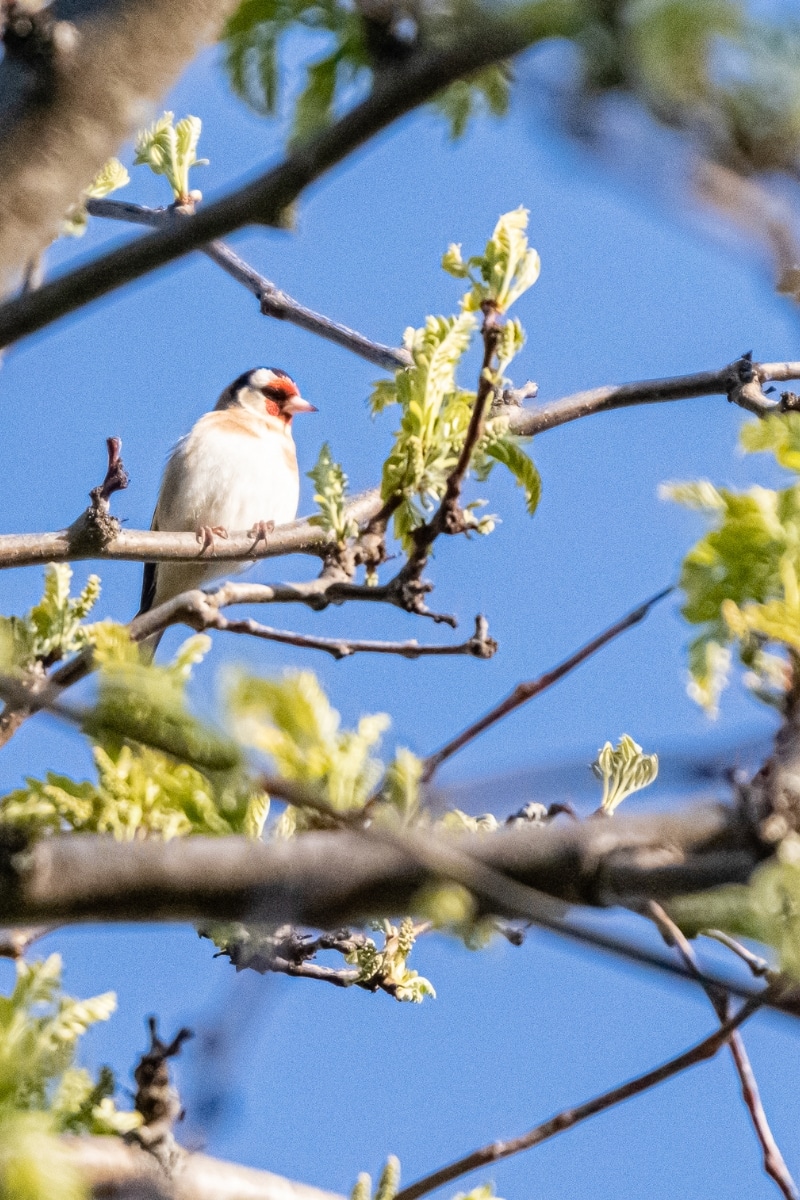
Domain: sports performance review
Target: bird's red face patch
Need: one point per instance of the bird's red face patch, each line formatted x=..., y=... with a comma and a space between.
x=276, y=393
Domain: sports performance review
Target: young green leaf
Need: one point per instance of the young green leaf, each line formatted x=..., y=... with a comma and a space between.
x=171, y=150
x=624, y=769
x=330, y=484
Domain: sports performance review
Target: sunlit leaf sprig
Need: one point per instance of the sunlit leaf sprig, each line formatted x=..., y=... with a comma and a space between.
x=160, y=771
x=54, y=628
x=112, y=176
x=42, y=1092
x=741, y=580
x=330, y=493
x=624, y=769
x=293, y=722
x=435, y=410
x=389, y=962
x=171, y=150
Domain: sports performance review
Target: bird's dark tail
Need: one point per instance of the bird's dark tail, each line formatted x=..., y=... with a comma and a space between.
x=148, y=647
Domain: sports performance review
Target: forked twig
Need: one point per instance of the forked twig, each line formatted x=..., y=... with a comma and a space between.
x=774, y=1163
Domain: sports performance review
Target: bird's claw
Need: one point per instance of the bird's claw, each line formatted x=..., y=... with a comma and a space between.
x=206, y=534
x=261, y=531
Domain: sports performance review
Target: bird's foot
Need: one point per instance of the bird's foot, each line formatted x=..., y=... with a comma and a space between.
x=206, y=534
x=261, y=531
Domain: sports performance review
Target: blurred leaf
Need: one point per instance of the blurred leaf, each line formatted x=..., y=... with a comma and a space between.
x=779, y=434
x=767, y=909
x=292, y=721
x=110, y=178
x=42, y=1093
x=741, y=565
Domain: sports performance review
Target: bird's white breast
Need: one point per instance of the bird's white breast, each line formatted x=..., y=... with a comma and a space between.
x=230, y=472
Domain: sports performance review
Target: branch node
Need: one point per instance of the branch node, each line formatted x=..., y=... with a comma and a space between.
x=96, y=528
x=156, y=1098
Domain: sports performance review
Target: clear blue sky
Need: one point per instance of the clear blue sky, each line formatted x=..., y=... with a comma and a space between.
x=313, y=1082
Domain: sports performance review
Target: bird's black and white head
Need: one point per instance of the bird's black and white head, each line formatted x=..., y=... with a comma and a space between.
x=266, y=391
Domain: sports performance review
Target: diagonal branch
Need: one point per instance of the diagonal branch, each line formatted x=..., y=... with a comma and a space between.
x=398, y=90
x=573, y=1116
x=273, y=301
x=524, y=692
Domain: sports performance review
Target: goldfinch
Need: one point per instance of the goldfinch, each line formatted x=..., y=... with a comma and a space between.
x=236, y=469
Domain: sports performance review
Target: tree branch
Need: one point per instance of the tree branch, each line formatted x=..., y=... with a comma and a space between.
x=330, y=879
x=273, y=301
x=524, y=692
x=199, y=614
x=71, y=91
x=80, y=541
x=397, y=91
x=573, y=1116
x=112, y=1169
x=740, y=381
x=301, y=537
x=774, y=1163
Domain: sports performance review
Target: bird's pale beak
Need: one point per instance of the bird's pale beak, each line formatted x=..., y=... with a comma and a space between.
x=296, y=404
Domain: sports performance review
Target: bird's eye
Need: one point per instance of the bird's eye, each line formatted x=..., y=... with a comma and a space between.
x=274, y=393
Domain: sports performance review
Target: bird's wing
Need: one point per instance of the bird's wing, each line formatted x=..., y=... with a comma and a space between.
x=149, y=578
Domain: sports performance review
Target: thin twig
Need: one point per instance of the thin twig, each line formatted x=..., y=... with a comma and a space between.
x=526, y=691
x=759, y=966
x=449, y=517
x=774, y=1163
x=396, y=91
x=570, y=1117
x=273, y=301
x=200, y=615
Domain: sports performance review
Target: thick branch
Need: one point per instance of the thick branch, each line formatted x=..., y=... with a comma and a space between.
x=112, y=1169
x=71, y=92
x=397, y=91
x=329, y=879
x=146, y=545
x=573, y=1116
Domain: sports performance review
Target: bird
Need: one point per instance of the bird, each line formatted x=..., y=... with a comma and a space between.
x=235, y=469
